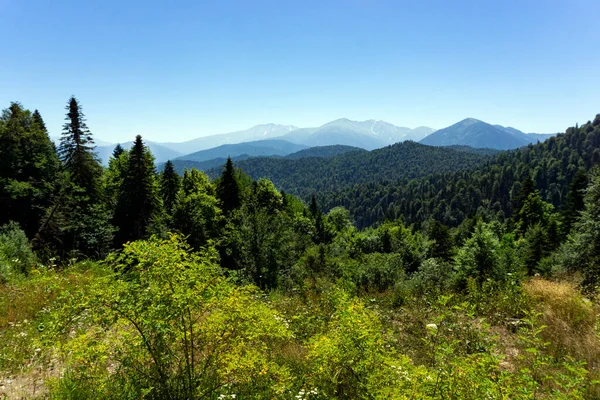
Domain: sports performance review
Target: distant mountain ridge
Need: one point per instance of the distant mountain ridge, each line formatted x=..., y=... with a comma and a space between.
x=369, y=135
x=272, y=147
x=258, y=132
x=478, y=134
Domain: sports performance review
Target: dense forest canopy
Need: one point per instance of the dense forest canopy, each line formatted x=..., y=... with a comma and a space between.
x=409, y=272
x=408, y=160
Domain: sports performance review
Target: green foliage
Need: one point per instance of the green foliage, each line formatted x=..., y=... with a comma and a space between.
x=28, y=168
x=114, y=175
x=534, y=211
x=168, y=325
x=139, y=204
x=196, y=213
x=478, y=258
x=582, y=250
x=170, y=183
x=76, y=151
x=228, y=189
x=440, y=191
x=401, y=161
x=347, y=361
x=16, y=256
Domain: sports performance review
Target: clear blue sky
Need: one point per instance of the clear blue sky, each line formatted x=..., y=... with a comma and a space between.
x=175, y=70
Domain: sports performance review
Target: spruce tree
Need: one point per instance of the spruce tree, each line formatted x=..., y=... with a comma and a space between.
x=229, y=189
x=76, y=150
x=313, y=208
x=139, y=202
x=170, y=183
x=118, y=150
x=575, y=203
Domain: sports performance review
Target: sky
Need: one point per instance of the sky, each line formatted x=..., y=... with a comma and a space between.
x=177, y=70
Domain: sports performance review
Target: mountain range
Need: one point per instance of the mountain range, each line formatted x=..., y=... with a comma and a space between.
x=369, y=135
x=281, y=140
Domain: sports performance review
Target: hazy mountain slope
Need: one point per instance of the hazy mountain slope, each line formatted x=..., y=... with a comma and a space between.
x=258, y=132
x=253, y=149
x=475, y=133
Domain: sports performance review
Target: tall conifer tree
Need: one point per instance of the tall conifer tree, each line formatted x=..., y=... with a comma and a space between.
x=76, y=150
x=229, y=189
x=170, y=183
x=139, y=202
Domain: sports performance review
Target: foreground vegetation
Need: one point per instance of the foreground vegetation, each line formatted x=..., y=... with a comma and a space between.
x=121, y=283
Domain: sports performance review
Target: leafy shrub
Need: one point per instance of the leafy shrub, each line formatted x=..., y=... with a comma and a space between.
x=168, y=325
x=16, y=256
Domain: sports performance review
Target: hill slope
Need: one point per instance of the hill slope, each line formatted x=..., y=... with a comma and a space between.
x=479, y=134
x=491, y=189
x=406, y=160
x=324, y=151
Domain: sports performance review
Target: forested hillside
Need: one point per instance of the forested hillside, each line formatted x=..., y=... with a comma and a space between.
x=407, y=160
x=494, y=189
x=479, y=279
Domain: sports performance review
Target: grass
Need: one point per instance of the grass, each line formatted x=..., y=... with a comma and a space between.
x=25, y=363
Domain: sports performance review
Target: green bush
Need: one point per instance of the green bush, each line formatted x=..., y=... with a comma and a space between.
x=16, y=256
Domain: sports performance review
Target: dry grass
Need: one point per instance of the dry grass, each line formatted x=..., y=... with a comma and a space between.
x=571, y=320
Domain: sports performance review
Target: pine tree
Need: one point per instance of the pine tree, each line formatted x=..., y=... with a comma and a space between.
x=170, y=183
x=118, y=150
x=114, y=175
x=313, y=208
x=582, y=251
x=229, y=189
x=574, y=203
x=76, y=150
x=139, y=202
x=37, y=118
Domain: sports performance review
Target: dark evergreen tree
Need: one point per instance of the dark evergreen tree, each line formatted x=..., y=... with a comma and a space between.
x=313, y=208
x=76, y=151
x=386, y=242
x=114, y=175
x=118, y=150
x=37, y=118
x=170, y=184
x=228, y=189
x=574, y=204
x=442, y=241
x=28, y=168
x=139, y=203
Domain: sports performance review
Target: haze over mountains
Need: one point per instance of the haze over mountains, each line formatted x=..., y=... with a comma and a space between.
x=269, y=140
